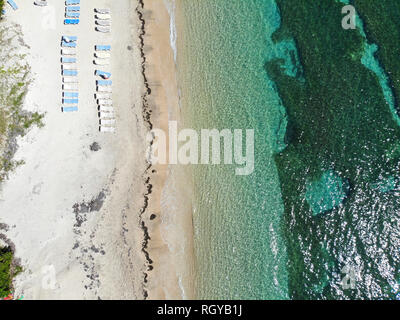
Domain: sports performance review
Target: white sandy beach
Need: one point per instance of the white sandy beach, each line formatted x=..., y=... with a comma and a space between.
x=102, y=257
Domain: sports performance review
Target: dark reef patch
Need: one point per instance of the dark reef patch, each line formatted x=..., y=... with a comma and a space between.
x=339, y=120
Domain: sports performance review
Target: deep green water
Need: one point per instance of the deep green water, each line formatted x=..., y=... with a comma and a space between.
x=324, y=194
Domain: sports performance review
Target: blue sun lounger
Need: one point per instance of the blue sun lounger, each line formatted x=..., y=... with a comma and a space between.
x=12, y=4
x=70, y=101
x=71, y=21
x=73, y=8
x=72, y=14
x=69, y=109
x=68, y=60
x=70, y=94
x=68, y=44
x=102, y=48
x=71, y=2
x=103, y=82
x=72, y=73
x=103, y=74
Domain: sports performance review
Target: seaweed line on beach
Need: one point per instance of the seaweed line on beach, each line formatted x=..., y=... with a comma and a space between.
x=146, y=112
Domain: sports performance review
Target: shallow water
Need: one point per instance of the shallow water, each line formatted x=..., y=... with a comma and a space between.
x=239, y=247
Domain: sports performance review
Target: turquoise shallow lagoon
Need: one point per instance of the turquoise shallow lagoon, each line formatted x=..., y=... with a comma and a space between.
x=239, y=248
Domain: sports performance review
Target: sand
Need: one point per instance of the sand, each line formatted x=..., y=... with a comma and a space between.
x=67, y=254
x=171, y=244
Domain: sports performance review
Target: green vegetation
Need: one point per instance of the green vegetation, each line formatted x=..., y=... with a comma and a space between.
x=8, y=270
x=14, y=82
x=338, y=120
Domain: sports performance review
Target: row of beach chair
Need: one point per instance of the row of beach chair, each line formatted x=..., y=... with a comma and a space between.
x=103, y=94
x=70, y=95
x=72, y=12
x=103, y=20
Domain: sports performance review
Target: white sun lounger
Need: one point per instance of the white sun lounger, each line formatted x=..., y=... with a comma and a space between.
x=101, y=62
x=107, y=122
x=70, y=87
x=102, y=10
x=103, y=96
x=106, y=115
x=103, y=29
x=70, y=80
x=68, y=52
x=104, y=23
x=69, y=66
x=103, y=89
x=107, y=129
x=103, y=16
x=106, y=109
x=104, y=102
x=102, y=55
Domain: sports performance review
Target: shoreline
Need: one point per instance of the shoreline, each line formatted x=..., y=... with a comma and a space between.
x=172, y=276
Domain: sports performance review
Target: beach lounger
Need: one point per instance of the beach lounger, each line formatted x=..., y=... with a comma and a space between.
x=12, y=4
x=68, y=60
x=72, y=2
x=103, y=74
x=104, y=89
x=105, y=96
x=104, y=23
x=107, y=122
x=69, y=109
x=68, y=67
x=106, y=109
x=103, y=82
x=101, y=47
x=72, y=8
x=70, y=101
x=103, y=29
x=40, y=3
x=68, y=52
x=71, y=21
x=106, y=106
x=103, y=11
x=70, y=87
x=72, y=14
x=69, y=38
x=68, y=44
x=70, y=94
x=106, y=115
x=103, y=16
x=102, y=55
x=107, y=129
x=104, y=102
x=101, y=62
x=70, y=80
x=71, y=73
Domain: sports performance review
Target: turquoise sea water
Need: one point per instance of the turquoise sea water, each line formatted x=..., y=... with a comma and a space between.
x=239, y=248
x=323, y=202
